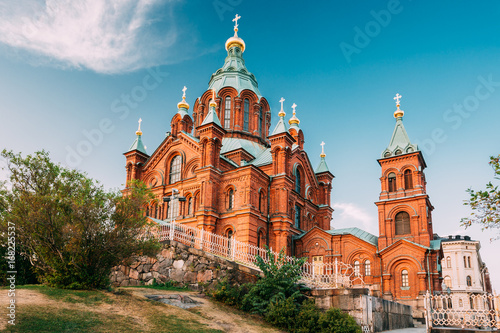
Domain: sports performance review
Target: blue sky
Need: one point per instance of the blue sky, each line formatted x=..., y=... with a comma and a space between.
x=74, y=80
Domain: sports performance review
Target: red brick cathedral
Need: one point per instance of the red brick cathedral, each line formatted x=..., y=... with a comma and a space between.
x=258, y=186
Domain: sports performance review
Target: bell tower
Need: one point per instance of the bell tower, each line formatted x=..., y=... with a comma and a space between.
x=404, y=208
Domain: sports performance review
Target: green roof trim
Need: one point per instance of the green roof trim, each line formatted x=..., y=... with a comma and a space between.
x=356, y=232
x=322, y=167
x=435, y=244
x=138, y=145
x=211, y=117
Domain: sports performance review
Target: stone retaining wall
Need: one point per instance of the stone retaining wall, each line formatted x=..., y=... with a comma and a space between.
x=376, y=313
x=183, y=265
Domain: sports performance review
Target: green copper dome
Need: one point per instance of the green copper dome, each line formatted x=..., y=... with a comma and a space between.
x=234, y=74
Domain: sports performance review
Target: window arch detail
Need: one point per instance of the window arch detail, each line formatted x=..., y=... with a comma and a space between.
x=227, y=112
x=408, y=179
x=404, y=278
x=391, y=179
x=246, y=114
x=368, y=268
x=175, y=169
x=402, y=223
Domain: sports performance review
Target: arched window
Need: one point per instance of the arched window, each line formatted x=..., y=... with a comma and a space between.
x=368, y=268
x=404, y=278
x=448, y=262
x=175, y=169
x=297, y=217
x=356, y=268
x=447, y=281
x=261, y=201
x=230, y=199
x=261, y=116
x=460, y=303
x=246, y=114
x=227, y=113
x=190, y=206
x=408, y=180
x=471, y=301
x=298, y=181
x=260, y=239
x=469, y=281
x=392, y=182
x=147, y=211
x=402, y=223
x=196, y=201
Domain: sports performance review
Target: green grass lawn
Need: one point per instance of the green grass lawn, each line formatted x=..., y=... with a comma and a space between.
x=60, y=310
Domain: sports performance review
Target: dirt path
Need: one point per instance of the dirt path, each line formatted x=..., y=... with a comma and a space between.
x=214, y=315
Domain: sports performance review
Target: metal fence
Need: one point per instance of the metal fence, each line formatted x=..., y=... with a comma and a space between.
x=462, y=310
x=326, y=275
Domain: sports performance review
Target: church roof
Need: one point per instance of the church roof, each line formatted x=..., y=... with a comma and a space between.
x=280, y=127
x=253, y=148
x=400, y=142
x=356, y=232
x=234, y=73
x=211, y=117
x=138, y=145
x=322, y=167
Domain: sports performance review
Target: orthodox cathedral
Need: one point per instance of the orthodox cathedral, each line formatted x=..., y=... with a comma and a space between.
x=243, y=180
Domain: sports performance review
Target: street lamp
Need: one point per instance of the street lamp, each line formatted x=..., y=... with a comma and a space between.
x=175, y=196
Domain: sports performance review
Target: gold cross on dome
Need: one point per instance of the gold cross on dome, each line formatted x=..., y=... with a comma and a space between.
x=281, y=101
x=397, y=98
x=184, y=91
x=235, y=20
x=293, y=107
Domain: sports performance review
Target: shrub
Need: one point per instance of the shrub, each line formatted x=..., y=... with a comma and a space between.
x=229, y=294
x=282, y=313
x=336, y=321
x=279, y=282
x=307, y=319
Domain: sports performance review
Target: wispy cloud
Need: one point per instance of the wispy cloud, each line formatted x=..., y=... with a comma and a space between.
x=350, y=215
x=106, y=36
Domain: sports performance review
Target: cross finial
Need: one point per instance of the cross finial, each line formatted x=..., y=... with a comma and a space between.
x=282, y=112
x=322, y=149
x=235, y=20
x=293, y=107
x=281, y=101
x=184, y=92
x=397, y=98
x=212, y=102
x=139, y=132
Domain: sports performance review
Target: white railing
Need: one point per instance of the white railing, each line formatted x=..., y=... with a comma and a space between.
x=462, y=311
x=326, y=275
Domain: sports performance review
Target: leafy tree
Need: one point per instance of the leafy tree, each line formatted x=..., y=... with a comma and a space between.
x=485, y=204
x=71, y=229
x=279, y=283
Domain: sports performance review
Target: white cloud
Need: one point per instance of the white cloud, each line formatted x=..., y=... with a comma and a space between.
x=106, y=36
x=350, y=215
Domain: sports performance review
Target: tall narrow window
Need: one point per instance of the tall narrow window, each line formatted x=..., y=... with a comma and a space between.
x=297, y=217
x=260, y=120
x=175, y=169
x=190, y=206
x=392, y=182
x=227, y=113
x=404, y=278
x=468, y=281
x=448, y=262
x=230, y=199
x=368, y=268
x=408, y=180
x=298, y=186
x=465, y=262
x=468, y=261
x=402, y=223
x=447, y=281
x=196, y=201
x=356, y=268
x=246, y=114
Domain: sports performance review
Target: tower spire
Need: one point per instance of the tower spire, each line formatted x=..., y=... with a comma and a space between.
x=322, y=167
x=281, y=125
x=138, y=145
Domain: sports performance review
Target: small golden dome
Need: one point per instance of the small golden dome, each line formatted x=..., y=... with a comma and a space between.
x=294, y=119
x=183, y=103
x=235, y=41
